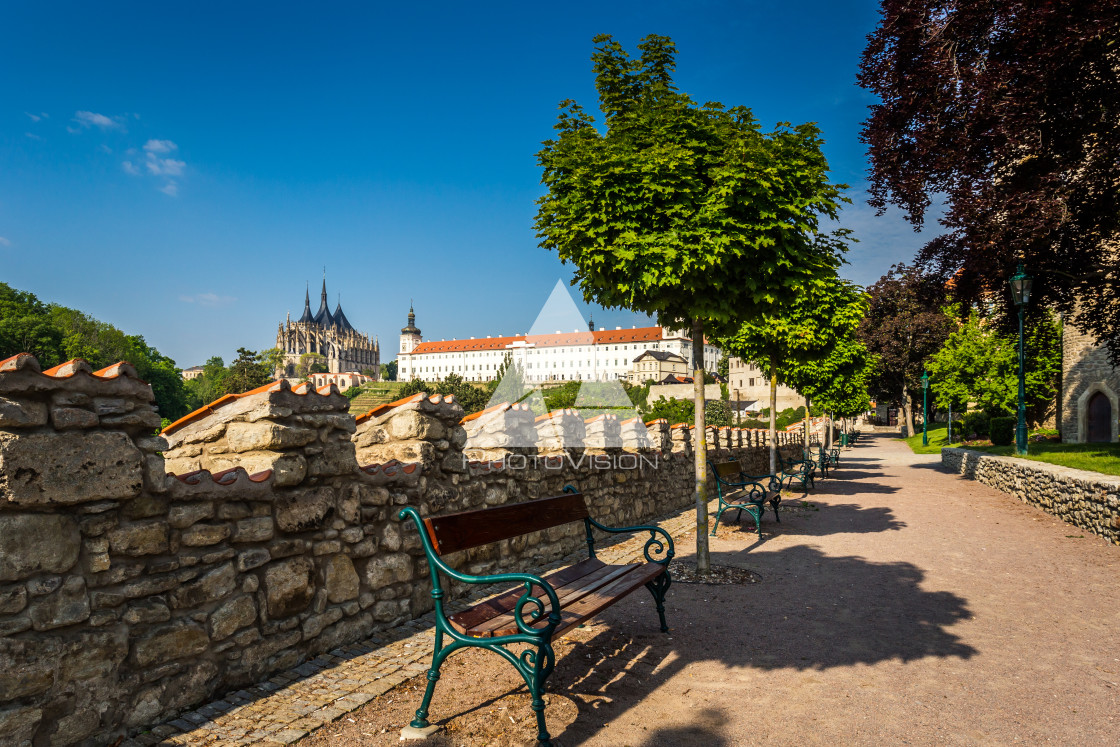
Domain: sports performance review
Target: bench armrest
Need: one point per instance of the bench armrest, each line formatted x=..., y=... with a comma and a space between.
x=536, y=605
x=654, y=545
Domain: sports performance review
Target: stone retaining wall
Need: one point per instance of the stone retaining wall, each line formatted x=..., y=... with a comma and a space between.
x=141, y=575
x=1088, y=500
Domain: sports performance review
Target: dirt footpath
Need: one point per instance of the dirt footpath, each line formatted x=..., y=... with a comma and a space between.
x=901, y=605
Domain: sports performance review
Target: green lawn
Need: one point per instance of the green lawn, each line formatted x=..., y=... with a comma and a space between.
x=1103, y=458
x=936, y=441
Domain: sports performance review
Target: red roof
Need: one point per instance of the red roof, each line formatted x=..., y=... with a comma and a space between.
x=599, y=337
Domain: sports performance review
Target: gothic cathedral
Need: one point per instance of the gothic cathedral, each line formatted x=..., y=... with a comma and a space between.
x=329, y=335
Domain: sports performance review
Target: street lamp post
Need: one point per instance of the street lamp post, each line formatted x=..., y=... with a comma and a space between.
x=925, y=408
x=1020, y=284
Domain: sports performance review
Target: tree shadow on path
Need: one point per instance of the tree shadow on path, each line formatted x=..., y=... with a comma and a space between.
x=811, y=612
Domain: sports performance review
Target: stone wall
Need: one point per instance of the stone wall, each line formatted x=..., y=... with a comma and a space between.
x=1088, y=500
x=1086, y=370
x=142, y=575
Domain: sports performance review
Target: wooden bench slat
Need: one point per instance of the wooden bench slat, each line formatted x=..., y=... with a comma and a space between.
x=503, y=603
x=564, y=594
x=466, y=529
x=592, y=604
x=581, y=602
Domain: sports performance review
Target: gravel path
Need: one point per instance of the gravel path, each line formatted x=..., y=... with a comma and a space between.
x=914, y=607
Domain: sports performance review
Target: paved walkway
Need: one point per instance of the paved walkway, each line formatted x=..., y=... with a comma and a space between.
x=901, y=605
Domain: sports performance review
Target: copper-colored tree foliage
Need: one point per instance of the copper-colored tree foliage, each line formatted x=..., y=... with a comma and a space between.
x=1010, y=110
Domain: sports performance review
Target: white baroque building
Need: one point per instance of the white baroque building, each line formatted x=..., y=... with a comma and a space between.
x=587, y=355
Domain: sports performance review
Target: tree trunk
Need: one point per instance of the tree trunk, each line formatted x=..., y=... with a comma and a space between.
x=805, y=430
x=908, y=412
x=703, y=562
x=773, y=415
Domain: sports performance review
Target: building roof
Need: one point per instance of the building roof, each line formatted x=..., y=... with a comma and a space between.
x=661, y=355
x=323, y=316
x=598, y=337
x=341, y=320
x=306, y=318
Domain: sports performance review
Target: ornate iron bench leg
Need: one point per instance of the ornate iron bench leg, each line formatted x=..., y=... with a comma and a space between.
x=438, y=655
x=774, y=503
x=658, y=587
x=542, y=663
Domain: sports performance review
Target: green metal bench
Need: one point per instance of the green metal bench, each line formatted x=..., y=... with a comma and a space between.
x=744, y=492
x=795, y=469
x=537, y=610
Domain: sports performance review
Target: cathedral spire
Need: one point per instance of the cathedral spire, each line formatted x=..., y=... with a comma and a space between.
x=306, y=318
x=323, y=316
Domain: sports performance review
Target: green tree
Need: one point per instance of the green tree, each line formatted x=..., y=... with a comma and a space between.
x=389, y=371
x=248, y=372
x=795, y=336
x=689, y=212
x=979, y=364
x=904, y=326
x=723, y=368
x=26, y=327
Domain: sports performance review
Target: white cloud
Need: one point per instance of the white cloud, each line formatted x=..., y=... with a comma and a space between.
x=32, y=135
x=33, y=117
x=130, y=168
x=4, y=242
x=210, y=300
x=171, y=189
x=160, y=146
x=93, y=119
x=164, y=166
x=104, y=148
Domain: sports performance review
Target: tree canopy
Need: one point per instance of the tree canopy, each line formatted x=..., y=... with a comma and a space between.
x=681, y=210
x=979, y=365
x=686, y=211
x=1008, y=110
x=55, y=334
x=905, y=325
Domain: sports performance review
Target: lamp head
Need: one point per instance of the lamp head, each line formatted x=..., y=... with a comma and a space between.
x=1020, y=284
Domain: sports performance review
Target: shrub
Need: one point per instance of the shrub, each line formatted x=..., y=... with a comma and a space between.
x=958, y=431
x=974, y=425
x=1002, y=431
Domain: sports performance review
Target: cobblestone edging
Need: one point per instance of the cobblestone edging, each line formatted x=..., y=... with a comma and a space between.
x=289, y=706
x=1088, y=500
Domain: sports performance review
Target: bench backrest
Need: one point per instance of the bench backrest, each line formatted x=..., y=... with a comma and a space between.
x=727, y=469
x=466, y=529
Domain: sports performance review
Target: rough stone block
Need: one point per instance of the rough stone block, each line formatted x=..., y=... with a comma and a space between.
x=232, y=616
x=216, y=584
x=13, y=599
x=37, y=543
x=67, y=606
x=266, y=435
x=339, y=578
x=387, y=569
x=18, y=724
x=65, y=418
x=304, y=510
x=146, y=538
x=253, y=558
x=182, y=515
x=203, y=535
x=68, y=468
x=22, y=414
x=288, y=587
x=175, y=641
x=253, y=530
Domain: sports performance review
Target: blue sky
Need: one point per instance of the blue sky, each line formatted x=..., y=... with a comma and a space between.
x=183, y=171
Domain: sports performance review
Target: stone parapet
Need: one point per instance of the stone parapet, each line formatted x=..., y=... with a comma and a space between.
x=144, y=574
x=1088, y=500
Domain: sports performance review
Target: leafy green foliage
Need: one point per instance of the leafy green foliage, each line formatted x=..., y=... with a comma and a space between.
x=471, y=398
x=905, y=325
x=674, y=410
x=1006, y=111
x=55, y=334
x=1002, y=430
x=974, y=424
x=389, y=371
x=681, y=210
x=979, y=364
